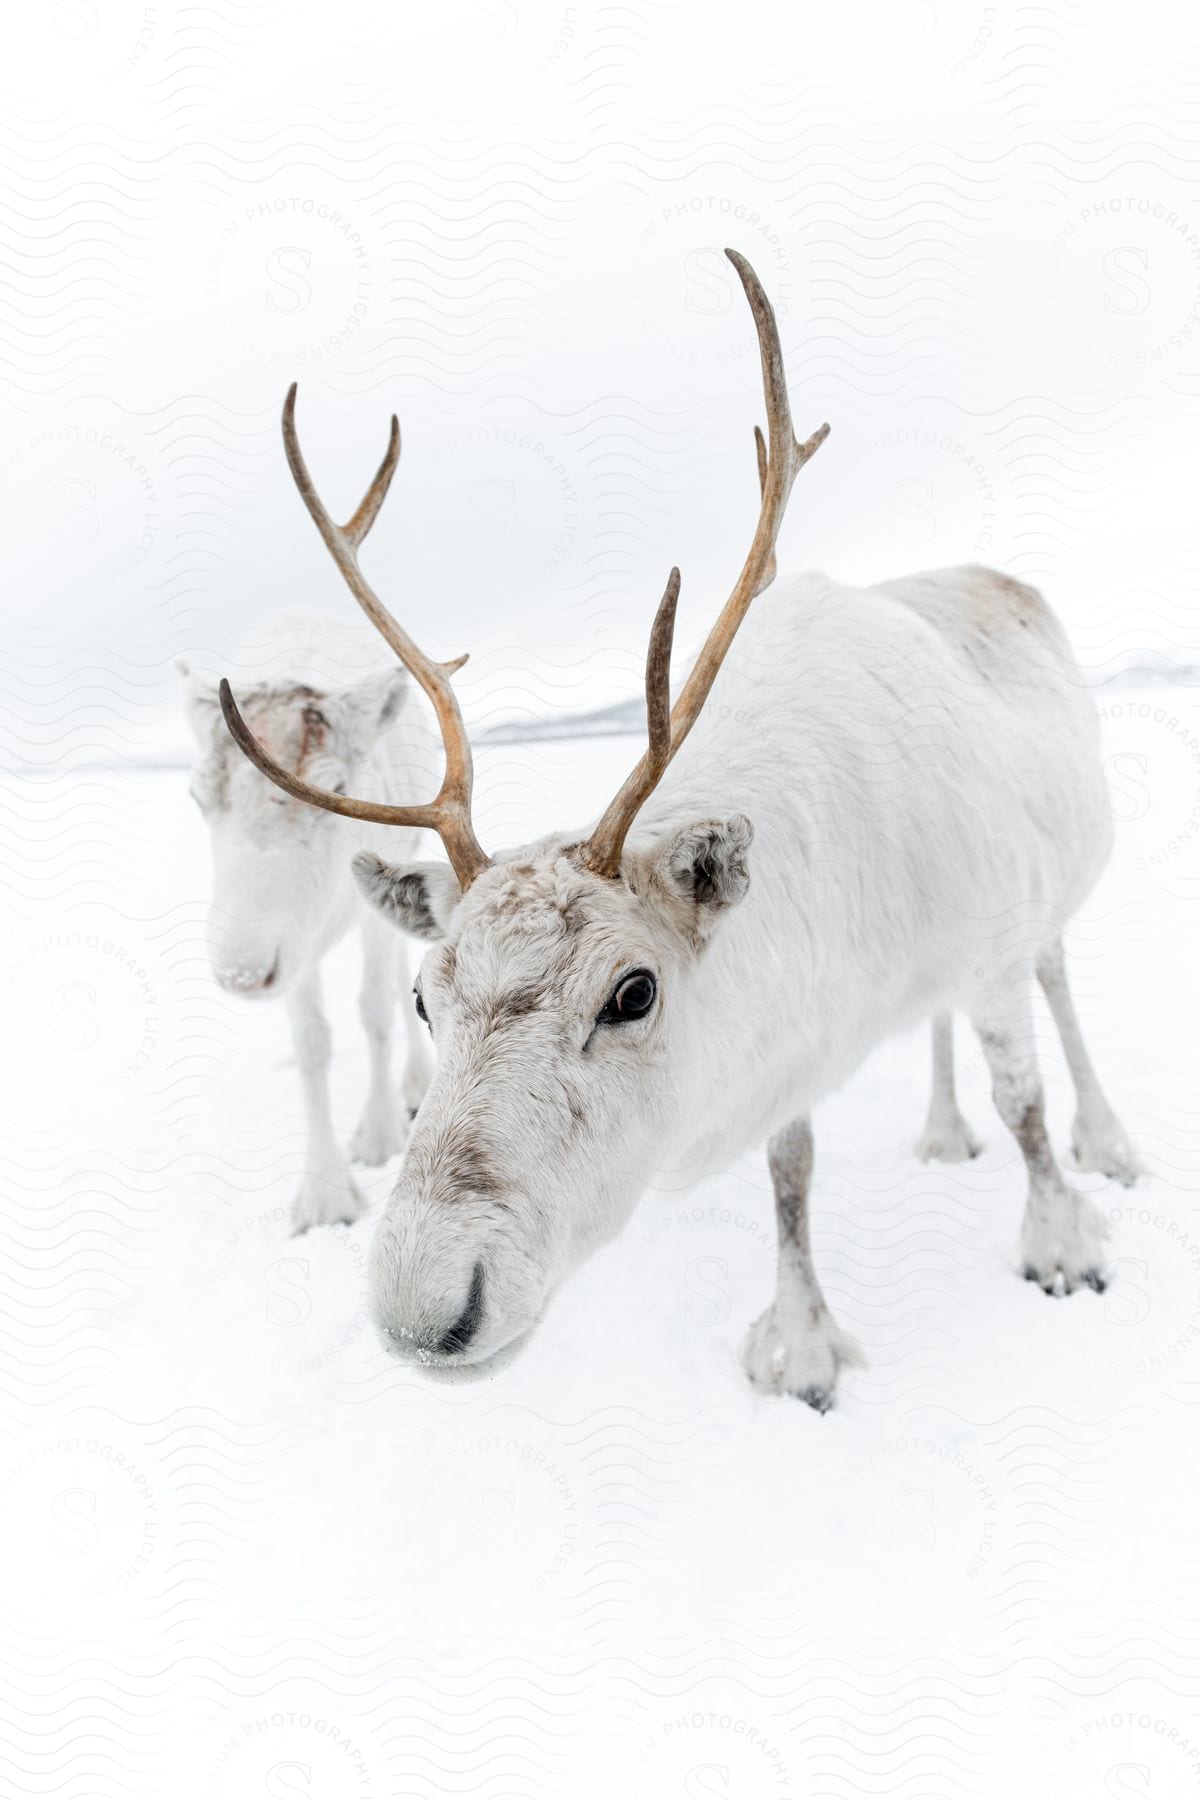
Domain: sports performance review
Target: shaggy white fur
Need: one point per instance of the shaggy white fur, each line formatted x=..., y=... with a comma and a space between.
x=890, y=806
x=282, y=897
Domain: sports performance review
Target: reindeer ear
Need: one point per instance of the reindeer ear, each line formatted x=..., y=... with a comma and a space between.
x=704, y=864
x=200, y=703
x=373, y=704
x=419, y=898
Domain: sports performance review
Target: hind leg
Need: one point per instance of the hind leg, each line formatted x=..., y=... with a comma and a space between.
x=1097, y=1139
x=1062, y=1236
x=946, y=1136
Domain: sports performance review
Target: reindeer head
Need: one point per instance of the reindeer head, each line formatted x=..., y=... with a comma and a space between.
x=565, y=1016
x=279, y=867
x=565, y=984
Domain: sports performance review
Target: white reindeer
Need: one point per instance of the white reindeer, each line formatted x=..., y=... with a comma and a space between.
x=890, y=809
x=282, y=897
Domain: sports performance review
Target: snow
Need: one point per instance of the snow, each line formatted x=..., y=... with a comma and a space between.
x=250, y=1555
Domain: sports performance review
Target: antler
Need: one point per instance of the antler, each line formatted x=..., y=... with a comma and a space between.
x=778, y=468
x=449, y=812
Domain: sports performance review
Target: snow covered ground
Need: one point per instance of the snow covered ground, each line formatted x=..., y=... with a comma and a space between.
x=250, y=1556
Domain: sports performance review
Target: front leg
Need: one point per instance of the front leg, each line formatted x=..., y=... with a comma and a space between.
x=382, y=1131
x=796, y=1348
x=327, y=1194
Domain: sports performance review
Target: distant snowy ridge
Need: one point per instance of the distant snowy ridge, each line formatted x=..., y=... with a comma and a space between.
x=624, y=718
x=629, y=716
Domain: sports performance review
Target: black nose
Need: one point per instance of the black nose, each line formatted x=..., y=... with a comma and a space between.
x=465, y=1327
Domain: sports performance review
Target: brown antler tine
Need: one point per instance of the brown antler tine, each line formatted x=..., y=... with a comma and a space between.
x=342, y=549
x=779, y=460
x=357, y=527
x=299, y=468
x=602, y=853
x=760, y=457
x=785, y=459
x=658, y=677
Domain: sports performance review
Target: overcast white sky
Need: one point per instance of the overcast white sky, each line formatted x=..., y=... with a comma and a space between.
x=980, y=225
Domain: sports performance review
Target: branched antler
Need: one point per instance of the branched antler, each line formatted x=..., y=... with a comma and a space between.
x=779, y=462
x=449, y=812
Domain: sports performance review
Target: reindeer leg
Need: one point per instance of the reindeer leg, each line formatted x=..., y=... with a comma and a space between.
x=1097, y=1139
x=382, y=1131
x=947, y=1136
x=796, y=1348
x=1062, y=1236
x=327, y=1194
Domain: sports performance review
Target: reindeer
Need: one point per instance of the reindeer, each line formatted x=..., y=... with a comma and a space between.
x=282, y=897
x=890, y=812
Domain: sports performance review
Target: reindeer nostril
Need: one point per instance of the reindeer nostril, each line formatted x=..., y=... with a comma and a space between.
x=468, y=1323
x=238, y=979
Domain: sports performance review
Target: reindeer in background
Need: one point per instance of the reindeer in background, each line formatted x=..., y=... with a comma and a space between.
x=892, y=813
x=283, y=896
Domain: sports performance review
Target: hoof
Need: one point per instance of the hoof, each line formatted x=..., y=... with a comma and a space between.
x=379, y=1137
x=1066, y=1252
x=1109, y=1155
x=951, y=1142
x=326, y=1199
x=1058, y=1285
x=798, y=1359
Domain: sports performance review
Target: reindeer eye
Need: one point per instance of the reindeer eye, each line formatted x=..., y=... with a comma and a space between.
x=632, y=998
x=420, y=1006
